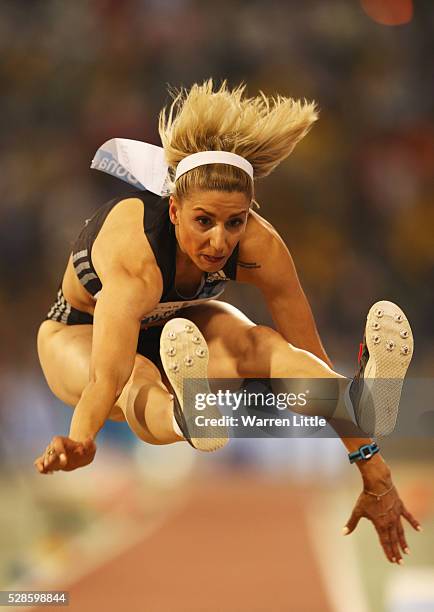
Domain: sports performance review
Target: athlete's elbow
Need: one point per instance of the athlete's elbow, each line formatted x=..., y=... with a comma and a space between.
x=107, y=386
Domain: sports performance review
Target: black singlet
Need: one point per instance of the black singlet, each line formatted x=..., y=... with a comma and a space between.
x=161, y=235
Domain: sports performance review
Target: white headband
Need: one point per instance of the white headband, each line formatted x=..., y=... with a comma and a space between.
x=213, y=157
x=144, y=166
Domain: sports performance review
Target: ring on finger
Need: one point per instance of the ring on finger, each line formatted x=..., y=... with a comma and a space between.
x=51, y=451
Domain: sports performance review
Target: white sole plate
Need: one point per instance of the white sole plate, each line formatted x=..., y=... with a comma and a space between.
x=390, y=343
x=184, y=355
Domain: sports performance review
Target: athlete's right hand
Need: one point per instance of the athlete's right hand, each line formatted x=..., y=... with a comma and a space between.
x=65, y=454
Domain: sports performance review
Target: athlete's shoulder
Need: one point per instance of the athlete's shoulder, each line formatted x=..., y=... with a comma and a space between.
x=123, y=203
x=122, y=240
x=137, y=208
x=260, y=238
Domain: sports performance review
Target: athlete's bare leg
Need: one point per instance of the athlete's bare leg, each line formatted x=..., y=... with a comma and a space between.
x=64, y=353
x=239, y=348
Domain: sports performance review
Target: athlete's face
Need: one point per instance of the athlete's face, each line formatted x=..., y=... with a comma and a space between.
x=209, y=224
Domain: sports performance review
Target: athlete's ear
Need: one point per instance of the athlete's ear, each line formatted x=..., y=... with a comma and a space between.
x=174, y=210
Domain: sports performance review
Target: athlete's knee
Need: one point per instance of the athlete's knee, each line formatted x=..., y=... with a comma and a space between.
x=145, y=370
x=145, y=376
x=256, y=344
x=145, y=383
x=260, y=338
x=146, y=401
x=155, y=403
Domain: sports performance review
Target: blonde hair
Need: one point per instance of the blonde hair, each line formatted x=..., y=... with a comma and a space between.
x=264, y=130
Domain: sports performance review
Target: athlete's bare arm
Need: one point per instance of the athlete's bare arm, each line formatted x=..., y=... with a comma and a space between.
x=131, y=287
x=122, y=303
x=264, y=261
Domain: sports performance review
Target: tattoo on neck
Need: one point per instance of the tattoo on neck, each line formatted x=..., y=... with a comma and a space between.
x=249, y=265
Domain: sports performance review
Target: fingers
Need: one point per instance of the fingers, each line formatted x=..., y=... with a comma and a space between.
x=51, y=458
x=39, y=464
x=385, y=541
x=58, y=445
x=60, y=448
x=351, y=523
x=410, y=518
x=55, y=456
x=401, y=537
x=393, y=536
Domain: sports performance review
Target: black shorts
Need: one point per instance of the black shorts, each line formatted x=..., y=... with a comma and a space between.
x=148, y=343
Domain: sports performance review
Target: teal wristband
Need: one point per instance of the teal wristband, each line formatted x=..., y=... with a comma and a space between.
x=364, y=453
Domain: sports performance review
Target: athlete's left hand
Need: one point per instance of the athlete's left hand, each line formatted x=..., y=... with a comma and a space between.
x=385, y=512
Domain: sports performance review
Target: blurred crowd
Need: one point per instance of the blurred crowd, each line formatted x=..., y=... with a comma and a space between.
x=354, y=202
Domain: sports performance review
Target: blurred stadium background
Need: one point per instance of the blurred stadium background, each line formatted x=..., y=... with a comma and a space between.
x=257, y=526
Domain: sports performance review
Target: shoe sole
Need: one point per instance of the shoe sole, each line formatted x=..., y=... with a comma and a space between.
x=390, y=343
x=184, y=355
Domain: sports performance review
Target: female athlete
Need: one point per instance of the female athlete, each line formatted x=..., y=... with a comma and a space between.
x=141, y=259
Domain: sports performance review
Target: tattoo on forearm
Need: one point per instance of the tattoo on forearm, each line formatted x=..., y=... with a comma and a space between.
x=249, y=265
